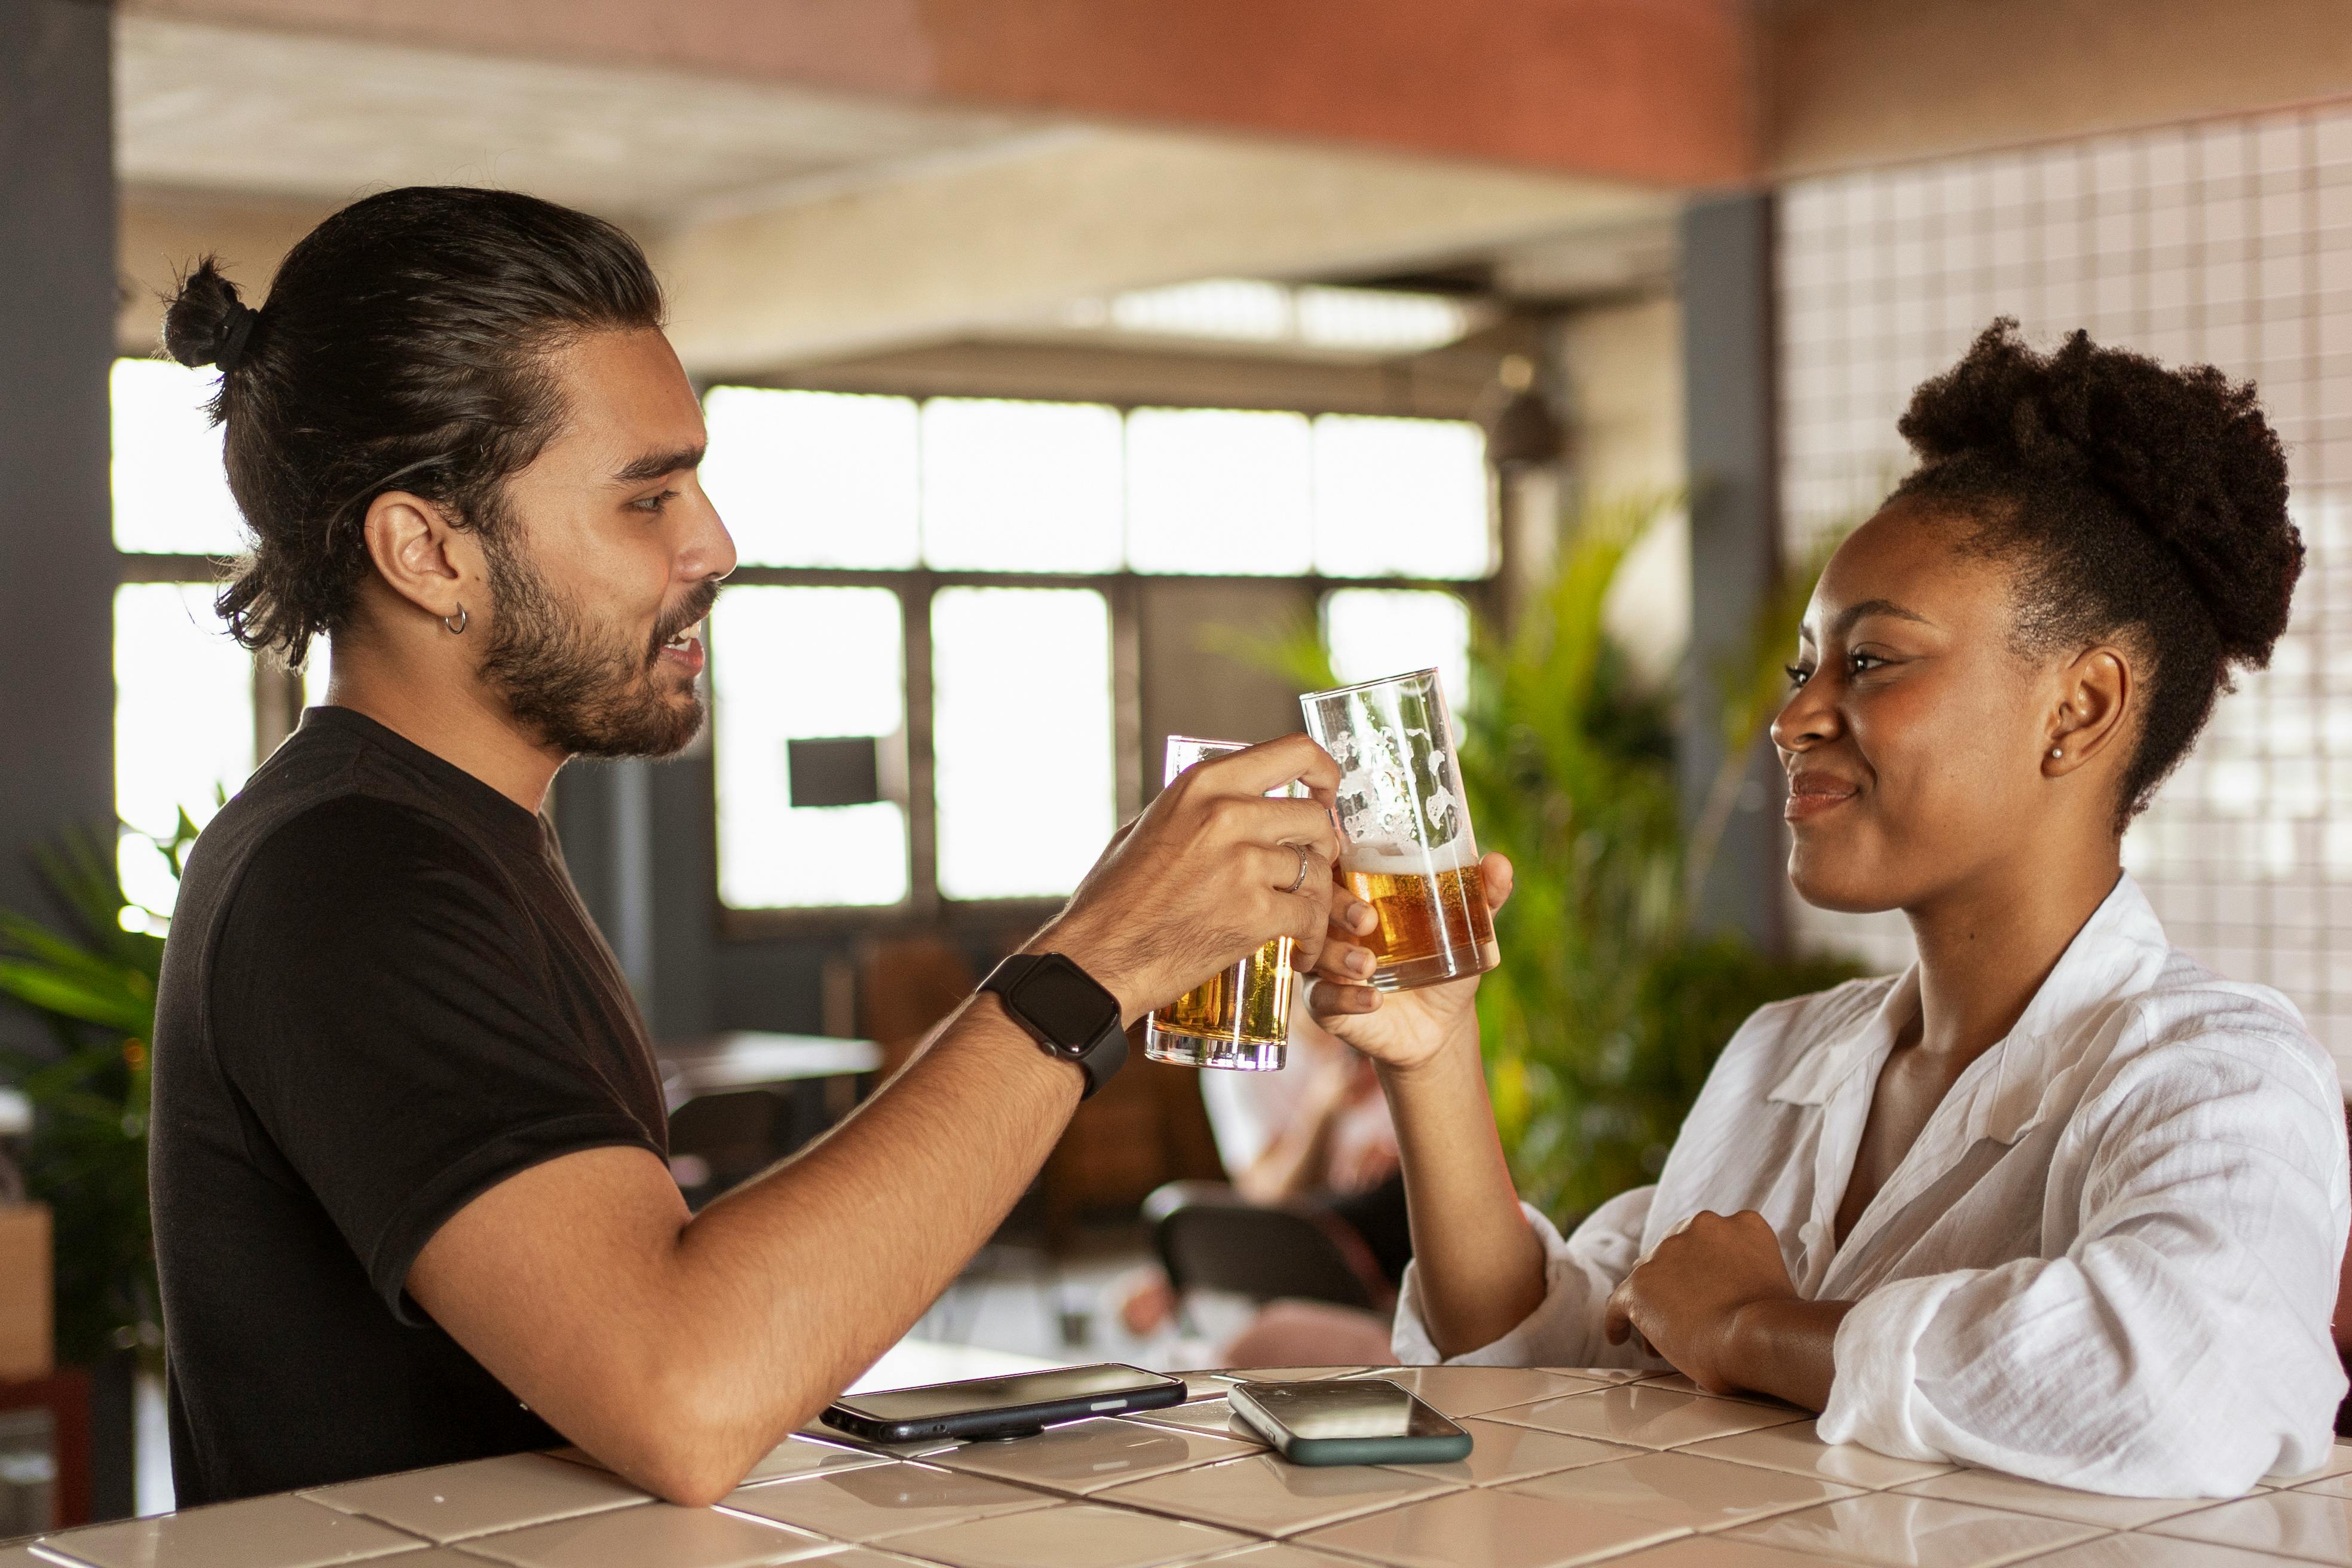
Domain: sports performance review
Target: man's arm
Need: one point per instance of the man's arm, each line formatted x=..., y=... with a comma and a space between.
x=680, y=1348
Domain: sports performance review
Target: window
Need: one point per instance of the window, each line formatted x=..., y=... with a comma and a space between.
x=995, y=548
x=1220, y=490
x=813, y=478
x=171, y=495
x=1025, y=769
x=799, y=665
x=1373, y=632
x=1021, y=487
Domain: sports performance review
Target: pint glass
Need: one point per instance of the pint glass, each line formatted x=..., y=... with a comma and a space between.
x=1239, y=1019
x=1405, y=844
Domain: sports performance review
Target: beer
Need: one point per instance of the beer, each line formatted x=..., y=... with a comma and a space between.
x=1239, y=1019
x=1406, y=847
x=1433, y=926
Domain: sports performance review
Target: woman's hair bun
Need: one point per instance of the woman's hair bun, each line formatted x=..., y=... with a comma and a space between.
x=204, y=322
x=2185, y=455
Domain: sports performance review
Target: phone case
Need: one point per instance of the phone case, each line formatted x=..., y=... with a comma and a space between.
x=1019, y=1421
x=1430, y=1450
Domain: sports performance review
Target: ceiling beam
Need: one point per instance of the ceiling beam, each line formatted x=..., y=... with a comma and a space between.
x=1652, y=90
x=1854, y=83
x=934, y=255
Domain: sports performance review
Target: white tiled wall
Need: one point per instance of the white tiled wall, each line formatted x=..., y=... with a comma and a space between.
x=2227, y=242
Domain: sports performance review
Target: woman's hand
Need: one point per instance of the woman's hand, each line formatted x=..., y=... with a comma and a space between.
x=1716, y=1300
x=1401, y=1030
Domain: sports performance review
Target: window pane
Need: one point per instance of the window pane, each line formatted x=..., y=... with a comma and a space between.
x=183, y=720
x=171, y=495
x=1027, y=797
x=1400, y=497
x=813, y=478
x=1219, y=489
x=796, y=664
x=1020, y=487
x=1373, y=632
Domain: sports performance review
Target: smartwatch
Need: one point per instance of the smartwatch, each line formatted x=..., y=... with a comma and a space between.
x=1066, y=1011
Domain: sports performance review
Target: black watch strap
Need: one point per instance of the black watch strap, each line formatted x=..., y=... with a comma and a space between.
x=1066, y=1011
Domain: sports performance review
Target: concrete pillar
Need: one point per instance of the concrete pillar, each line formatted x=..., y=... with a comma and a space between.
x=1733, y=444
x=57, y=338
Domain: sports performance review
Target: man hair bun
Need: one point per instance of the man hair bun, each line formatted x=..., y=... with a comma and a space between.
x=204, y=322
x=2184, y=454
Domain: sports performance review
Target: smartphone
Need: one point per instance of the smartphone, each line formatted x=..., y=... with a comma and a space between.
x=1357, y=1421
x=1018, y=1406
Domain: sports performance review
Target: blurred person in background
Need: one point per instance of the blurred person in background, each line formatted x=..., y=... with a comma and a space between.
x=2058, y=1200
x=410, y=1194
x=1316, y=1135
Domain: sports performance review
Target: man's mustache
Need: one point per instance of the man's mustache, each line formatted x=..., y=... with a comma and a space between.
x=697, y=604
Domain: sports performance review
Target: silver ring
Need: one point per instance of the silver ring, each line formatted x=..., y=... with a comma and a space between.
x=1304, y=860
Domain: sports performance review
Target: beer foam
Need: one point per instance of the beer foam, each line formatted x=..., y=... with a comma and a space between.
x=1402, y=857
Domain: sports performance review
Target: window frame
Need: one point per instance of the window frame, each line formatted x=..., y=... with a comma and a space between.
x=925, y=908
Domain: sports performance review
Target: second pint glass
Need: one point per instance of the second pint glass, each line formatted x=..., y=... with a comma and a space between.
x=1241, y=1017
x=1405, y=844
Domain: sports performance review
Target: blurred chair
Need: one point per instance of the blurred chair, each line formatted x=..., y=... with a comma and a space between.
x=905, y=986
x=1209, y=1238
x=716, y=1141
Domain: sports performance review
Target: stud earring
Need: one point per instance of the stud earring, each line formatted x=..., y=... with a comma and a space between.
x=2056, y=751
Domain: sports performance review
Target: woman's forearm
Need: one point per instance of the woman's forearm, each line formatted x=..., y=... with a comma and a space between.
x=1479, y=1264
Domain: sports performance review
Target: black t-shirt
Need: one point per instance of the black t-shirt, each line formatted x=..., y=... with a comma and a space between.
x=380, y=998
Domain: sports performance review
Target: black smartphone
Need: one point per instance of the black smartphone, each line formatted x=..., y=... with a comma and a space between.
x=1017, y=1406
x=1355, y=1421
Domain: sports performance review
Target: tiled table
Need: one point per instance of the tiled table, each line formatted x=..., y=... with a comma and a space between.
x=1570, y=1467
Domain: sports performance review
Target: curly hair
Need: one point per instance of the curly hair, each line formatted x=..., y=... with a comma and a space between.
x=2135, y=504
x=403, y=346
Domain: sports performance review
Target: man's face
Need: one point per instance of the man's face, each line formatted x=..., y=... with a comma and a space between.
x=611, y=557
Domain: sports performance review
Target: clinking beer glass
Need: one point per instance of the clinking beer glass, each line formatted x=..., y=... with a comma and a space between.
x=1241, y=1017
x=1405, y=844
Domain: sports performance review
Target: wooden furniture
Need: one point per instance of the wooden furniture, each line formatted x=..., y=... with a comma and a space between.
x=65, y=1394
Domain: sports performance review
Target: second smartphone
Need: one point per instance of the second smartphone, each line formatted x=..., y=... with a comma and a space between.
x=1356, y=1421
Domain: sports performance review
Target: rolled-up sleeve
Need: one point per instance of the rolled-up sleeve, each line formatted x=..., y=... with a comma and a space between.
x=1580, y=1271
x=2179, y=1347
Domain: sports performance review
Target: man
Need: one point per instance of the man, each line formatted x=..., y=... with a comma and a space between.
x=410, y=1194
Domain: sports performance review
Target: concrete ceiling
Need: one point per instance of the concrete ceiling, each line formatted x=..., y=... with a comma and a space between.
x=793, y=225
x=201, y=107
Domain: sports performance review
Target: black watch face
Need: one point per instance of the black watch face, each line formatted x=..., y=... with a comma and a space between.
x=1058, y=997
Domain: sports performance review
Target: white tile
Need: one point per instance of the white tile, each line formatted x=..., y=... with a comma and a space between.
x=798, y=1456
x=1645, y=1415
x=1289, y=1373
x=655, y=1533
x=452, y=1501
x=264, y=1532
x=1993, y=1489
x=1714, y=1552
x=1487, y=1527
x=1072, y=1535
x=1281, y=1554
x=890, y=1500
x=2141, y=1550
x=1267, y=1495
x=1913, y=1532
x=2297, y=1523
x=1502, y=1452
x=1684, y=1490
x=1459, y=1391
x=1798, y=1449
x=1087, y=1456
x=1214, y=1416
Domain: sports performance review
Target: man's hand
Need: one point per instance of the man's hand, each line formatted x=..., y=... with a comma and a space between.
x=1401, y=1030
x=1687, y=1297
x=1212, y=871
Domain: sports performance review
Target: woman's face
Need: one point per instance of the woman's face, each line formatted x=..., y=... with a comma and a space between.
x=1915, y=739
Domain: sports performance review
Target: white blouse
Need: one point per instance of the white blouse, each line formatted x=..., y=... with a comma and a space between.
x=2108, y=1262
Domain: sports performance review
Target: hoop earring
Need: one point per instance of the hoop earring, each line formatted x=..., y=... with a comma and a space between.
x=459, y=629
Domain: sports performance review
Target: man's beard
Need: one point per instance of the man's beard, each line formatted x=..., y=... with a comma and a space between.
x=584, y=694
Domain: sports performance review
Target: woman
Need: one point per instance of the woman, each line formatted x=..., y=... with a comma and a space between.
x=2058, y=1201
